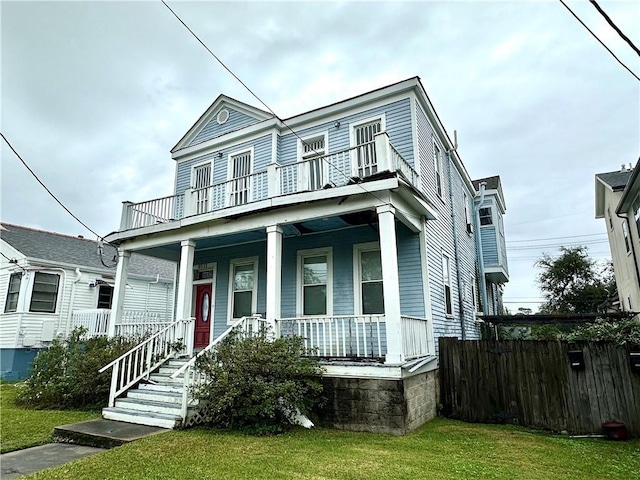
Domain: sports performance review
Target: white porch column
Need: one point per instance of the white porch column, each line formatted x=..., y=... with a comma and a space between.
x=119, y=289
x=274, y=274
x=185, y=280
x=390, y=282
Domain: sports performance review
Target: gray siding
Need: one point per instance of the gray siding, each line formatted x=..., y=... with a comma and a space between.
x=261, y=158
x=212, y=129
x=489, y=245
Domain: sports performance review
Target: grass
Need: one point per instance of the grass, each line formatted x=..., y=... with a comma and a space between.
x=441, y=449
x=22, y=428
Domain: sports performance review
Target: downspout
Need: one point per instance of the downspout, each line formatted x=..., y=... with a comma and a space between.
x=146, y=299
x=463, y=331
x=476, y=222
x=625, y=218
x=71, y=300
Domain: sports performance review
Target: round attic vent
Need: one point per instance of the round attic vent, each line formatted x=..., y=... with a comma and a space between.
x=223, y=116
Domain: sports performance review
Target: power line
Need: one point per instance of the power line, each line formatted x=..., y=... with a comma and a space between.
x=614, y=26
x=549, y=218
x=600, y=41
x=556, y=238
x=586, y=243
x=14, y=262
x=45, y=187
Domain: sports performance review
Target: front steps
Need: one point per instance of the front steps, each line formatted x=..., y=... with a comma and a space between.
x=155, y=403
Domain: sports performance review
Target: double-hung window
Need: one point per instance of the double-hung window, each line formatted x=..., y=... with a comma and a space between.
x=485, y=216
x=240, y=177
x=44, y=294
x=312, y=169
x=437, y=165
x=243, y=287
x=315, y=282
x=446, y=280
x=363, y=139
x=11, y=304
x=369, y=279
x=201, y=183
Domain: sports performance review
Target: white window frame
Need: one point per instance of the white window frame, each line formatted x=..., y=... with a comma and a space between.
x=352, y=136
x=59, y=292
x=202, y=201
x=303, y=169
x=357, y=274
x=315, y=252
x=437, y=166
x=626, y=237
x=17, y=294
x=491, y=216
x=192, y=181
x=229, y=190
x=446, y=282
x=254, y=294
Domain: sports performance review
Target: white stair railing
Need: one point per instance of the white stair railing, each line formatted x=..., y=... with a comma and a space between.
x=250, y=325
x=140, y=361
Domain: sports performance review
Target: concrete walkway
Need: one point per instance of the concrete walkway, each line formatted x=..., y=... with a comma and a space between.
x=22, y=462
x=81, y=440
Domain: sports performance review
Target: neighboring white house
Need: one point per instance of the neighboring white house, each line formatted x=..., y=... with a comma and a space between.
x=355, y=232
x=51, y=283
x=618, y=202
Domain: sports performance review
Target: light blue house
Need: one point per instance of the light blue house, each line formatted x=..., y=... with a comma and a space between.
x=356, y=232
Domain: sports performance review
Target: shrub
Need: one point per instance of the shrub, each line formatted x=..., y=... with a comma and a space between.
x=66, y=375
x=256, y=384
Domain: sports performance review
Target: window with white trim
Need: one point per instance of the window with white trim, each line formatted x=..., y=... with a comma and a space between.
x=13, y=292
x=200, y=182
x=364, y=139
x=240, y=177
x=315, y=292
x=243, y=287
x=437, y=165
x=105, y=296
x=446, y=280
x=625, y=234
x=368, y=274
x=486, y=218
x=44, y=294
x=313, y=173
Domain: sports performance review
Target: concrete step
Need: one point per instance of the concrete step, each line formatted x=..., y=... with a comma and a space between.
x=137, y=417
x=156, y=395
x=148, y=406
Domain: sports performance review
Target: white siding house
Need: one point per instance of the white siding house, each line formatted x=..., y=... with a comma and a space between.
x=51, y=283
x=355, y=232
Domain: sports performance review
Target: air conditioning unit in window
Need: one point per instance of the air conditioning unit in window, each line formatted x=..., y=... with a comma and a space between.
x=469, y=228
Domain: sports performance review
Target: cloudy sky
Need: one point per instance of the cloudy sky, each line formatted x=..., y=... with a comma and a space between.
x=94, y=95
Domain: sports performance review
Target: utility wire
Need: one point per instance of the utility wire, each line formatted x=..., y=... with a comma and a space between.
x=556, y=238
x=323, y=157
x=600, y=41
x=14, y=262
x=614, y=26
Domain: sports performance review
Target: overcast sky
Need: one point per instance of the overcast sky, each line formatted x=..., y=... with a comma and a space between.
x=94, y=95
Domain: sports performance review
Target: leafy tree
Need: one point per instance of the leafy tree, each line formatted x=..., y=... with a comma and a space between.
x=573, y=282
x=257, y=384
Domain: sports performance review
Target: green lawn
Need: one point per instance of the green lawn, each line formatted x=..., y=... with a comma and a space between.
x=441, y=449
x=21, y=428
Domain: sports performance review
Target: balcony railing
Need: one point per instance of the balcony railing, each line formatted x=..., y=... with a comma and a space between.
x=333, y=170
x=134, y=323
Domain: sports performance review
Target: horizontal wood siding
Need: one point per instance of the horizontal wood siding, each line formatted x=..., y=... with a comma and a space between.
x=212, y=129
x=398, y=126
x=489, y=245
x=261, y=158
x=410, y=272
x=222, y=257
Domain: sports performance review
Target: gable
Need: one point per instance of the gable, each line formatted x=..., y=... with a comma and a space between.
x=223, y=116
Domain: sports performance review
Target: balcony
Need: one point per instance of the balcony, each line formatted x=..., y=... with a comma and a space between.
x=329, y=171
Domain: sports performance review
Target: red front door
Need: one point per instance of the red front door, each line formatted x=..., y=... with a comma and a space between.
x=203, y=316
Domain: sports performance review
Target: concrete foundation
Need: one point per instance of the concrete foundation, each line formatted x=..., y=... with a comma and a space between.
x=379, y=406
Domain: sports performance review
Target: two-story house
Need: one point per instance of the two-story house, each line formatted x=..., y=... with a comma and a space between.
x=617, y=196
x=351, y=225
x=51, y=283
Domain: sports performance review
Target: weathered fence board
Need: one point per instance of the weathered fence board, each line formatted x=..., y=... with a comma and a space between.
x=532, y=383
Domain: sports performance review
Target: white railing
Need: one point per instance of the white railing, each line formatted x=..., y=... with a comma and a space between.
x=140, y=361
x=234, y=192
x=415, y=337
x=249, y=325
x=340, y=336
x=152, y=212
x=96, y=321
x=399, y=164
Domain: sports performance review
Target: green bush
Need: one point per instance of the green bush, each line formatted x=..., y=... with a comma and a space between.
x=256, y=384
x=66, y=375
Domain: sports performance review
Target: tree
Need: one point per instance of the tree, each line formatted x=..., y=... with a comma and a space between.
x=574, y=282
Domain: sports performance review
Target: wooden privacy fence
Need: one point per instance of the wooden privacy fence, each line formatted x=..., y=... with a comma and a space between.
x=532, y=383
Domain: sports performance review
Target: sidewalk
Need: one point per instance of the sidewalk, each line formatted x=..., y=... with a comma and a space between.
x=22, y=462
